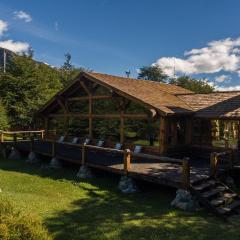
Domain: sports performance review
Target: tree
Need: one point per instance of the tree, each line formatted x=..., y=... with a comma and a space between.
x=153, y=73
x=195, y=85
x=3, y=117
x=67, y=65
x=25, y=87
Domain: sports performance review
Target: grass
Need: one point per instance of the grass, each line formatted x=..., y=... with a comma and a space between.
x=96, y=210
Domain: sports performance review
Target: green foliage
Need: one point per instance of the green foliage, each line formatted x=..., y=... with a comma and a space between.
x=195, y=85
x=25, y=87
x=3, y=118
x=16, y=225
x=153, y=73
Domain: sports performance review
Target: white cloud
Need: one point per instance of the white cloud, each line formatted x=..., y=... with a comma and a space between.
x=223, y=78
x=231, y=88
x=17, y=47
x=23, y=16
x=3, y=27
x=222, y=55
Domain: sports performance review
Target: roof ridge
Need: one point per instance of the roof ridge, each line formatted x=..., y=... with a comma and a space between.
x=144, y=80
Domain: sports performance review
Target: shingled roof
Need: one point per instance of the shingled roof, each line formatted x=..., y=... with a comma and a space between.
x=160, y=96
x=166, y=99
x=214, y=105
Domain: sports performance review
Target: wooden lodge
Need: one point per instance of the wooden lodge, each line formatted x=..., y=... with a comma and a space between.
x=167, y=124
x=164, y=118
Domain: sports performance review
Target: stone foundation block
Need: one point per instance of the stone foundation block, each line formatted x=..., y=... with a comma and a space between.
x=185, y=201
x=127, y=185
x=84, y=172
x=55, y=163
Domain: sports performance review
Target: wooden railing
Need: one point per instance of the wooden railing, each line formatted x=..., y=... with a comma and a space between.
x=215, y=159
x=128, y=155
x=15, y=135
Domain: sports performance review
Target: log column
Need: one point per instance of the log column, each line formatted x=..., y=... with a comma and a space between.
x=121, y=127
x=189, y=126
x=162, y=136
x=90, y=118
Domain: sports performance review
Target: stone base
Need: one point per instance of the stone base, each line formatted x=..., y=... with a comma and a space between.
x=14, y=154
x=127, y=185
x=32, y=158
x=184, y=201
x=84, y=172
x=55, y=163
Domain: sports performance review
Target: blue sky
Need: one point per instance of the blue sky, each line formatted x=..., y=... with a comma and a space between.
x=198, y=38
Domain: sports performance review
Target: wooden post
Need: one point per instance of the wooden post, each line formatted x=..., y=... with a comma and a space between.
x=213, y=164
x=186, y=174
x=188, y=139
x=31, y=143
x=46, y=121
x=15, y=139
x=174, y=132
x=1, y=137
x=90, y=124
x=83, y=154
x=162, y=136
x=127, y=160
x=121, y=127
x=42, y=134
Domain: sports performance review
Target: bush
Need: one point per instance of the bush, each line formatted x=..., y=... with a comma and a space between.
x=15, y=225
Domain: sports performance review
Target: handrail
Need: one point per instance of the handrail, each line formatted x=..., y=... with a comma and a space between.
x=159, y=158
x=104, y=149
x=21, y=132
x=214, y=160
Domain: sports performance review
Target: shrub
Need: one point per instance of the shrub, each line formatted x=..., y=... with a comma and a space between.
x=15, y=225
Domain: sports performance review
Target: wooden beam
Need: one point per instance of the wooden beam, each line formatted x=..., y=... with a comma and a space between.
x=86, y=98
x=100, y=116
x=162, y=136
x=85, y=88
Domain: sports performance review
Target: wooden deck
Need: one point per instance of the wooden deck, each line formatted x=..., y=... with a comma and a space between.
x=169, y=174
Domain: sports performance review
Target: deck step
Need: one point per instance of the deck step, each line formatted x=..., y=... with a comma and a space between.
x=223, y=199
x=205, y=185
x=198, y=180
x=214, y=191
x=228, y=208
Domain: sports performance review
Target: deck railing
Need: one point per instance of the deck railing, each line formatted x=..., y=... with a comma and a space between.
x=215, y=160
x=127, y=154
x=15, y=135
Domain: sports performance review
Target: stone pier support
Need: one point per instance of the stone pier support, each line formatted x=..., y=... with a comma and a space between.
x=32, y=158
x=14, y=154
x=127, y=185
x=184, y=201
x=84, y=172
x=55, y=163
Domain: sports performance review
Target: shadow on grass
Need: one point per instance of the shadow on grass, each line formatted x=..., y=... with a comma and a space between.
x=131, y=217
x=105, y=213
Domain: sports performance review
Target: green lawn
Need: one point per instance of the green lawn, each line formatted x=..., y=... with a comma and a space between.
x=95, y=210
